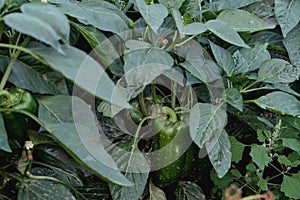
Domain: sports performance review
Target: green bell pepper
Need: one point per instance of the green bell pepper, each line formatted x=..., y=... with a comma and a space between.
x=16, y=124
x=168, y=127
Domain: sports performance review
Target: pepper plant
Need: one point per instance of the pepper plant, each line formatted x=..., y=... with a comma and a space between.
x=156, y=99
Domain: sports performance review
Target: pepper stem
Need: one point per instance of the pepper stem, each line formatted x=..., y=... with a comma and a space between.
x=170, y=112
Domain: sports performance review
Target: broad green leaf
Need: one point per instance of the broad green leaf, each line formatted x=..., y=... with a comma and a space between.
x=261, y=9
x=206, y=120
x=233, y=97
x=189, y=29
x=241, y=64
x=290, y=127
x=35, y=27
x=66, y=176
x=176, y=4
x=278, y=101
x=200, y=65
x=260, y=156
x=287, y=15
x=98, y=14
x=243, y=21
x=237, y=149
x=187, y=190
x=4, y=145
x=292, y=45
x=224, y=31
x=82, y=69
x=290, y=186
x=282, y=87
x=153, y=14
x=28, y=76
x=74, y=127
x=52, y=16
x=142, y=66
x=248, y=117
x=41, y=21
x=43, y=189
x=291, y=143
x=156, y=193
x=221, y=5
x=136, y=169
x=223, y=58
x=255, y=56
x=278, y=71
x=218, y=149
x=57, y=162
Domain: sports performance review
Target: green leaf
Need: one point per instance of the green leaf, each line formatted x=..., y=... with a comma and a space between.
x=4, y=145
x=290, y=127
x=97, y=190
x=223, y=58
x=260, y=156
x=43, y=189
x=282, y=87
x=199, y=64
x=187, y=190
x=74, y=127
x=79, y=67
x=50, y=14
x=277, y=71
x=291, y=143
x=282, y=159
x=206, y=120
x=262, y=184
x=243, y=21
x=225, y=32
x=248, y=117
x=233, y=97
x=290, y=186
x=153, y=14
x=278, y=101
x=292, y=45
x=255, y=56
x=237, y=149
x=241, y=64
x=189, y=29
x=221, y=5
x=37, y=79
x=218, y=149
x=287, y=15
x=136, y=168
x=41, y=21
x=156, y=193
x=98, y=13
x=94, y=37
x=2, y=3
x=142, y=66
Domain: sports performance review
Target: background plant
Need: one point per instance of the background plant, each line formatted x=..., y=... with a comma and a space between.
x=251, y=48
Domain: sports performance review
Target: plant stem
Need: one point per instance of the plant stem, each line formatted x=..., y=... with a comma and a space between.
x=173, y=94
x=249, y=86
x=134, y=145
x=185, y=41
x=142, y=104
x=153, y=93
x=11, y=64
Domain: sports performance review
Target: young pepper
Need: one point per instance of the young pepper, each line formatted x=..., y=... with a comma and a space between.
x=16, y=124
x=169, y=127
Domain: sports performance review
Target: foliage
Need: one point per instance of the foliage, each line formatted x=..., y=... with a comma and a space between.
x=230, y=70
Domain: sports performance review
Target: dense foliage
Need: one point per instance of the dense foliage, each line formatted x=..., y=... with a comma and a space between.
x=155, y=99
